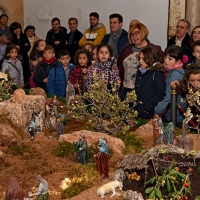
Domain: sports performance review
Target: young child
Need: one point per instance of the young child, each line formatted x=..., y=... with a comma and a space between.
x=76, y=77
x=150, y=82
x=174, y=65
x=48, y=62
x=189, y=85
x=94, y=54
x=88, y=47
x=103, y=66
x=13, y=66
x=196, y=51
x=58, y=76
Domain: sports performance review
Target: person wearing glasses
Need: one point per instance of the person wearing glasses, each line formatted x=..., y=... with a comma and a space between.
x=128, y=61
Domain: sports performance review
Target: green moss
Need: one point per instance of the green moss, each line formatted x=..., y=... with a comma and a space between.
x=132, y=142
x=140, y=121
x=19, y=150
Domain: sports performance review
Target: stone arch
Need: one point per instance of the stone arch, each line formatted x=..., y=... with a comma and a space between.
x=4, y=10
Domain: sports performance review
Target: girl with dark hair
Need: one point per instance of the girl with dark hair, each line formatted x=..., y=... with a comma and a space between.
x=173, y=62
x=104, y=66
x=14, y=191
x=12, y=65
x=30, y=32
x=149, y=82
x=22, y=43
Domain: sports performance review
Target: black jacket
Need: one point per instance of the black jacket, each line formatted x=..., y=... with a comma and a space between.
x=150, y=89
x=120, y=43
x=72, y=48
x=60, y=36
x=186, y=47
x=42, y=72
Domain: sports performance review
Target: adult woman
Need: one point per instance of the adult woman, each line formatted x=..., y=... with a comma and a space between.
x=30, y=33
x=195, y=35
x=127, y=61
x=14, y=191
x=22, y=43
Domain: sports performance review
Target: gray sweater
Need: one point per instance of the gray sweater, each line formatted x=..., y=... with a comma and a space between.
x=15, y=70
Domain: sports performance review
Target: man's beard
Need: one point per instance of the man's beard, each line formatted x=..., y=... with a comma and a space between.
x=91, y=26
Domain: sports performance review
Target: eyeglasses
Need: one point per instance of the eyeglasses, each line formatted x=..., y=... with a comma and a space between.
x=135, y=34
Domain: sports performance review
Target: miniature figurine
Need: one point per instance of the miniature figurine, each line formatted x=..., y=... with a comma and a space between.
x=102, y=159
x=55, y=104
x=81, y=150
x=42, y=193
x=59, y=128
x=32, y=127
x=169, y=134
x=14, y=191
x=160, y=127
x=70, y=92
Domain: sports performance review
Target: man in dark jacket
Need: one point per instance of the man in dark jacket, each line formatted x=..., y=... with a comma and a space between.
x=72, y=38
x=56, y=36
x=182, y=38
x=118, y=36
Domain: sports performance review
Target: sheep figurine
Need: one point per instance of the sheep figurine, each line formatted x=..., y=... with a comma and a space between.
x=111, y=186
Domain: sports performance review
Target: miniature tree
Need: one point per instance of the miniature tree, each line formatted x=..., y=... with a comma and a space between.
x=6, y=89
x=103, y=104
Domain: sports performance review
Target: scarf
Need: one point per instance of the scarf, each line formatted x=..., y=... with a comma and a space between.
x=176, y=66
x=113, y=39
x=48, y=61
x=143, y=70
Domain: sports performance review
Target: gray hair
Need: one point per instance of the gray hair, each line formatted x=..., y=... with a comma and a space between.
x=9, y=36
x=186, y=21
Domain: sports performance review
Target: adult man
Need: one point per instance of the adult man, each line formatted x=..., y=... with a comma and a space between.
x=72, y=38
x=5, y=39
x=118, y=36
x=95, y=33
x=56, y=36
x=3, y=24
x=182, y=38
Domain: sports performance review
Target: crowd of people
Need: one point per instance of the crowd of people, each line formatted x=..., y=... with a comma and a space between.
x=128, y=59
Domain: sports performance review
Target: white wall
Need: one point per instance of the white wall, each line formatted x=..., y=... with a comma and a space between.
x=153, y=13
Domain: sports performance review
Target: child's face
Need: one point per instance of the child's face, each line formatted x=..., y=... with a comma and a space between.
x=41, y=45
x=48, y=54
x=88, y=48
x=196, y=52
x=94, y=54
x=141, y=61
x=82, y=59
x=170, y=61
x=194, y=80
x=103, y=54
x=13, y=54
x=64, y=60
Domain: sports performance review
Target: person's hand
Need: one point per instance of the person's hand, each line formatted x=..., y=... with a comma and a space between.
x=57, y=42
x=84, y=70
x=66, y=42
x=156, y=116
x=175, y=83
x=17, y=46
x=45, y=80
x=80, y=149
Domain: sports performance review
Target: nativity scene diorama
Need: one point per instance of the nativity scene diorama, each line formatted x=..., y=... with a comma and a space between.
x=166, y=170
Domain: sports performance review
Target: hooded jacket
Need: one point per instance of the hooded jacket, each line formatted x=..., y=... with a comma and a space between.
x=94, y=35
x=15, y=70
x=150, y=89
x=174, y=74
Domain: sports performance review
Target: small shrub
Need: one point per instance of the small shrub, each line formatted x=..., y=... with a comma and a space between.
x=19, y=150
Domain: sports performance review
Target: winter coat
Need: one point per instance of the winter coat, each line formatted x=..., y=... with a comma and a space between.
x=60, y=36
x=57, y=83
x=126, y=51
x=42, y=72
x=175, y=74
x=186, y=47
x=150, y=89
x=94, y=36
x=120, y=43
x=15, y=70
x=72, y=48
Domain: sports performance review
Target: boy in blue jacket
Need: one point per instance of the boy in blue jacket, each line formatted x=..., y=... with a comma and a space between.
x=58, y=76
